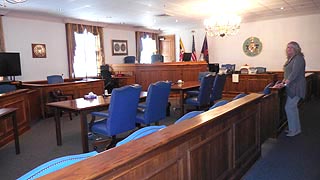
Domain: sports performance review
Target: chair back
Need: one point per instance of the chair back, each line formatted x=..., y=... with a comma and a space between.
x=156, y=58
x=56, y=164
x=122, y=109
x=205, y=90
x=4, y=88
x=157, y=101
x=140, y=133
x=219, y=103
x=55, y=79
x=239, y=96
x=129, y=59
x=267, y=90
x=217, y=88
x=203, y=74
x=188, y=116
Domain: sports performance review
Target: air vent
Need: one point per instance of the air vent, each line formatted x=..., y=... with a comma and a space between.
x=163, y=15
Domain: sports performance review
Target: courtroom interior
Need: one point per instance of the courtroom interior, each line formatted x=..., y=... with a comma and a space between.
x=156, y=89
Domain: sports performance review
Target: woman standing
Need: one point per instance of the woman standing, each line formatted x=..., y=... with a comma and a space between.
x=295, y=82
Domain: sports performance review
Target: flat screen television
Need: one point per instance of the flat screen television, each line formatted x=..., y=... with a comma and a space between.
x=10, y=64
x=186, y=57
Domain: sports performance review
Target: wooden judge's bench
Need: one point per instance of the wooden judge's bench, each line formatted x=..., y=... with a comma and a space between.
x=145, y=74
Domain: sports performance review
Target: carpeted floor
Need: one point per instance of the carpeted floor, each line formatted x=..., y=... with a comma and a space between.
x=292, y=158
x=38, y=145
x=284, y=158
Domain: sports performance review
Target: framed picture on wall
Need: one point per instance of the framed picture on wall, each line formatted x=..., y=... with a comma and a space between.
x=39, y=50
x=119, y=47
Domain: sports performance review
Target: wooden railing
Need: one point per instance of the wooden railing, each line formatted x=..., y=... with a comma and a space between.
x=77, y=88
x=218, y=144
x=145, y=74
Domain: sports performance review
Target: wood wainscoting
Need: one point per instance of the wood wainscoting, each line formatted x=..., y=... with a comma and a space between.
x=15, y=99
x=222, y=143
x=146, y=74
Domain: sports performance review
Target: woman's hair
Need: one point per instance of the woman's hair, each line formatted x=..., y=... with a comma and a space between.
x=296, y=47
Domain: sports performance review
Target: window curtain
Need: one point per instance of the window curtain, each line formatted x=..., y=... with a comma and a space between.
x=139, y=46
x=71, y=42
x=2, y=46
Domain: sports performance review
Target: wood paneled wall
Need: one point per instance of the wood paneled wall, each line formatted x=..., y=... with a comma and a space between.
x=218, y=144
x=146, y=74
x=15, y=99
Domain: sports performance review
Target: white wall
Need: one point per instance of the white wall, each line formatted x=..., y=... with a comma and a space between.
x=20, y=33
x=274, y=35
x=117, y=34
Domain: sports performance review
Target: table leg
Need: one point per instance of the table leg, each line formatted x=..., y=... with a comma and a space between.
x=15, y=132
x=58, y=126
x=84, y=131
x=181, y=103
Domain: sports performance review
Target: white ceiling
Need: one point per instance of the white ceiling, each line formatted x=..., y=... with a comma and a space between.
x=181, y=14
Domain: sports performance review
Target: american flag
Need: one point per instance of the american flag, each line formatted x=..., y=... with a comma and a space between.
x=194, y=55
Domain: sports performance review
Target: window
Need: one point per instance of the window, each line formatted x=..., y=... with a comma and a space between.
x=149, y=48
x=86, y=59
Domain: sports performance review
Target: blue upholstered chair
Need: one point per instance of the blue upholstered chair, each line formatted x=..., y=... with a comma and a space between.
x=121, y=116
x=156, y=58
x=202, y=97
x=217, y=88
x=155, y=107
x=188, y=116
x=203, y=74
x=239, y=96
x=129, y=59
x=219, y=103
x=140, y=133
x=56, y=164
x=267, y=90
x=53, y=79
x=4, y=88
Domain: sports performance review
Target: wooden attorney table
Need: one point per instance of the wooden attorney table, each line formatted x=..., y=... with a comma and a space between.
x=182, y=88
x=78, y=88
x=19, y=100
x=83, y=107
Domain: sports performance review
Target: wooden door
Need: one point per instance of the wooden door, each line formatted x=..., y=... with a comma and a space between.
x=167, y=48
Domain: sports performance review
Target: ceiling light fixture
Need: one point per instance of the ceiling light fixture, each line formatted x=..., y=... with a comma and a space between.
x=12, y=2
x=222, y=25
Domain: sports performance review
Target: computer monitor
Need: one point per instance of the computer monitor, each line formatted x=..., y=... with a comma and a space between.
x=186, y=57
x=214, y=67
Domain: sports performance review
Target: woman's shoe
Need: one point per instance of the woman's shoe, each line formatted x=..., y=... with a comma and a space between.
x=291, y=134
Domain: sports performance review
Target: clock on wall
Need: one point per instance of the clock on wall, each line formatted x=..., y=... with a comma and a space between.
x=39, y=51
x=252, y=46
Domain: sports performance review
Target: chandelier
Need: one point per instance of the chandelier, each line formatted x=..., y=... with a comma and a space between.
x=222, y=25
x=12, y=2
